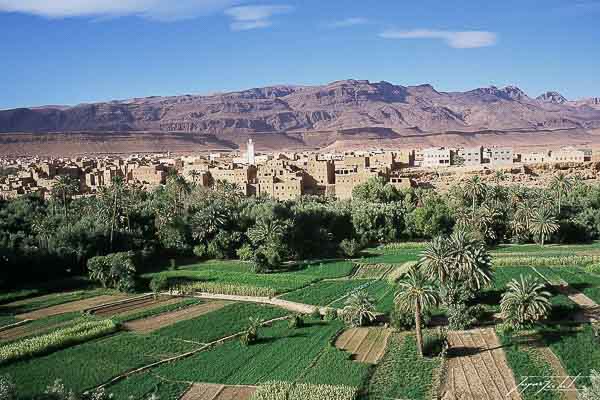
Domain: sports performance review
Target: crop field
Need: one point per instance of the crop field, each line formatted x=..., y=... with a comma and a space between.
x=204, y=391
x=372, y=271
x=71, y=306
x=402, y=373
x=38, y=326
x=135, y=305
x=365, y=344
x=281, y=354
x=156, y=322
x=549, y=250
x=576, y=277
x=230, y=319
x=390, y=256
x=327, y=292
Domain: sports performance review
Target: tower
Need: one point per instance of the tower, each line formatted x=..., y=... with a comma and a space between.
x=250, y=152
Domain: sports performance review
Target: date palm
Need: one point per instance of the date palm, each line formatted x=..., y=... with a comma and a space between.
x=64, y=187
x=525, y=302
x=561, y=184
x=416, y=294
x=435, y=260
x=475, y=188
x=543, y=224
x=359, y=309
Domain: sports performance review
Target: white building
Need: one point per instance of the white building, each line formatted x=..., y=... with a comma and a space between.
x=436, y=157
x=534, y=158
x=499, y=155
x=471, y=155
x=250, y=154
x=568, y=154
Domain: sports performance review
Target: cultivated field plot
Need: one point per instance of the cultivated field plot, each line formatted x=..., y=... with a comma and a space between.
x=157, y=322
x=477, y=368
x=576, y=277
x=372, y=271
x=135, y=305
x=366, y=344
x=72, y=306
x=203, y=391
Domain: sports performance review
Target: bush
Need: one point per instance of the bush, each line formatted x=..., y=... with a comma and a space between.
x=435, y=345
x=350, y=247
x=115, y=270
x=331, y=314
x=245, y=253
x=296, y=321
x=315, y=314
x=201, y=251
x=60, y=338
x=159, y=283
x=593, y=268
x=405, y=321
x=8, y=390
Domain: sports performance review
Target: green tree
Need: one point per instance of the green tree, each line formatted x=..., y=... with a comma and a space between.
x=475, y=188
x=543, y=224
x=359, y=309
x=561, y=185
x=64, y=187
x=416, y=294
x=524, y=302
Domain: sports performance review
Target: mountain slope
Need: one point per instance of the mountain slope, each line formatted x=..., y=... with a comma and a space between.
x=341, y=105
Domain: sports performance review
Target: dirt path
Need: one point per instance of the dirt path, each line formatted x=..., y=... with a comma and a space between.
x=477, y=368
x=366, y=344
x=157, y=322
x=285, y=304
x=206, y=391
x=78, y=305
x=590, y=310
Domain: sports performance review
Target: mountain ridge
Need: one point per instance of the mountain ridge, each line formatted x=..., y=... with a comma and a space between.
x=339, y=105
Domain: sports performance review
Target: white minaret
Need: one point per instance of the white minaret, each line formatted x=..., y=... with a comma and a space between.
x=250, y=152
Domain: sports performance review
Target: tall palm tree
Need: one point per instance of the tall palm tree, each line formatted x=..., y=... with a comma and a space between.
x=471, y=261
x=64, y=187
x=435, y=260
x=524, y=302
x=416, y=294
x=266, y=231
x=499, y=176
x=543, y=224
x=117, y=188
x=359, y=309
x=561, y=184
x=475, y=188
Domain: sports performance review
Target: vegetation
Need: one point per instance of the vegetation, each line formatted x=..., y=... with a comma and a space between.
x=592, y=391
x=303, y=391
x=403, y=373
x=359, y=309
x=525, y=302
x=60, y=338
x=113, y=271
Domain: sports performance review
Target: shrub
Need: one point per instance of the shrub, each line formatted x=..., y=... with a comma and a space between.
x=245, y=253
x=296, y=321
x=159, y=283
x=331, y=314
x=201, y=251
x=315, y=314
x=435, y=345
x=172, y=265
x=115, y=270
x=55, y=340
x=350, y=247
x=591, y=392
x=593, y=268
x=8, y=390
x=58, y=391
x=405, y=321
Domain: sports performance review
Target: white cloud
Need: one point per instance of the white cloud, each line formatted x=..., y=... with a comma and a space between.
x=155, y=9
x=254, y=17
x=345, y=23
x=458, y=40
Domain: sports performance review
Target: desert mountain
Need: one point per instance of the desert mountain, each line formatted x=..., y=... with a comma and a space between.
x=338, y=106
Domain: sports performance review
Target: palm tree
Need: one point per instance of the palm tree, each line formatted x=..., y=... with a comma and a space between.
x=117, y=188
x=499, y=176
x=195, y=174
x=359, y=309
x=266, y=231
x=475, y=188
x=416, y=294
x=525, y=302
x=561, y=185
x=64, y=187
x=471, y=262
x=435, y=260
x=543, y=224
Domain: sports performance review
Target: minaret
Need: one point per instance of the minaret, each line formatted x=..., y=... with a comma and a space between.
x=250, y=152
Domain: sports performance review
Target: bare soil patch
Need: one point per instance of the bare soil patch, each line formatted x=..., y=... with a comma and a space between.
x=477, y=368
x=562, y=378
x=366, y=344
x=204, y=391
x=590, y=310
x=157, y=322
x=72, y=306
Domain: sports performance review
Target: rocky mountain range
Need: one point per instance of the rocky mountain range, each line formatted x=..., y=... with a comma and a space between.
x=338, y=106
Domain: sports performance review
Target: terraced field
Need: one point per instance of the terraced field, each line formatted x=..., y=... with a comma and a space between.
x=203, y=391
x=477, y=368
x=365, y=344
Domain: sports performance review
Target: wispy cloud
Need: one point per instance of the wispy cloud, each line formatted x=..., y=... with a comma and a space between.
x=348, y=22
x=154, y=9
x=254, y=17
x=456, y=39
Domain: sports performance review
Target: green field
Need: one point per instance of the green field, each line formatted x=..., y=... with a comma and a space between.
x=324, y=293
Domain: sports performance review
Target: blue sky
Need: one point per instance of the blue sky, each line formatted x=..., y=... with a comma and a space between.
x=74, y=51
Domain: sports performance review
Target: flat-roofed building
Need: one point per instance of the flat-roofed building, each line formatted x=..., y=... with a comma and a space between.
x=437, y=157
x=534, y=158
x=347, y=178
x=149, y=175
x=567, y=154
x=471, y=155
x=499, y=155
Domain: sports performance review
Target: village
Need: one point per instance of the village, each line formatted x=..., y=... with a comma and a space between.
x=280, y=175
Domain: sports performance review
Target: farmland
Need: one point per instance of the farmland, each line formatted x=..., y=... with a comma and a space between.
x=319, y=355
